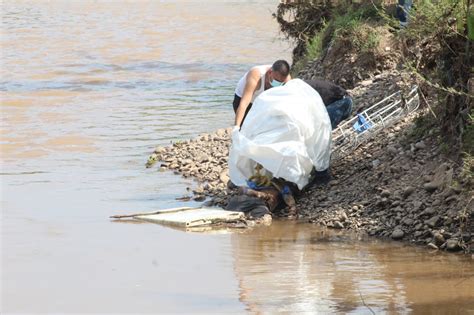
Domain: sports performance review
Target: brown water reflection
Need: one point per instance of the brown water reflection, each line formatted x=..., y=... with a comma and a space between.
x=297, y=268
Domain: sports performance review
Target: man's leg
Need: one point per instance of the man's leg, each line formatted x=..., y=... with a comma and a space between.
x=339, y=110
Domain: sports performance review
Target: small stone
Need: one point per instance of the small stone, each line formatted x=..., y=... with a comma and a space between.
x=338, y=225
x=199, y=198
x=438, y=238
x=159, y=150
x=433, y=221
x=431, y=186
x=208, y=203
x=397, y=234
x=385, y=193
x=417, y=205
x=343, y=217
x=221, y=132
x=224, y=178
x=408, y=191
x=408, y=221
x=420, y=145
x=453, y=245
x=451, y=198
x=432, y=246
x=199, y=190
x=392, y=150
x=375, y=163
x=429, y=211
x=366, y=82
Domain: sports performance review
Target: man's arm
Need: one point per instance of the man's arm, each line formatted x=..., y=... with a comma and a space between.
x=250, y=86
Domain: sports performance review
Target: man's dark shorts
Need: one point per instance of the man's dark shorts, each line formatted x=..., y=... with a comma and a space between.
x=236, y=104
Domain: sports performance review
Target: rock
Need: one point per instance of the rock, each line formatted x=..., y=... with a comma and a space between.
x=375, y=163
x=453, y=245
x=417, y=205
x=451, y=198
x=432, y=246
x=221, y=132
x=202, y=158
x=397, y=234
x=208, y=203
x=224, y=178
x=429, y=211
x=438, y=238
x=433, y=221
x=385, y=193
x=420, y=145
x=199, y=198
x=198, y=190
x=392, y=150
x=338, y=225
x=343, y=217
x=366, y=83
x=408, y=221
x=408, y=191
x=431, y=186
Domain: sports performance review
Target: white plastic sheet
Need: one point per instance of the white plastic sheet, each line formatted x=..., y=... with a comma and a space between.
x=287, y=131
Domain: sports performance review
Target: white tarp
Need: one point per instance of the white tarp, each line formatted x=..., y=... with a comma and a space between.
x=287, y=131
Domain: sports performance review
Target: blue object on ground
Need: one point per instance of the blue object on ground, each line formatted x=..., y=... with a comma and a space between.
x=362, y=124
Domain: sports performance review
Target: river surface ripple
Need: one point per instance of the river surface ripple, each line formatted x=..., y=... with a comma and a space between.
x=88, y=89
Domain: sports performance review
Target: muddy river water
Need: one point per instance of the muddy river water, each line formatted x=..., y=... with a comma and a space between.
x=88, y=89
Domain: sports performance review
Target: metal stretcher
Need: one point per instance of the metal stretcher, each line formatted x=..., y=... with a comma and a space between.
x=366, y=124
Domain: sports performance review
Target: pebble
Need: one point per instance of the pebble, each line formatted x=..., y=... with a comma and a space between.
x=433, y=221
x=408, y=191
x=338, y=225
x=385, y=193
x=397, y=234
x=343, y=217
x=453, y=245
x=431, y=186
x=375, y=163
x=432, y=246
x=420, y=145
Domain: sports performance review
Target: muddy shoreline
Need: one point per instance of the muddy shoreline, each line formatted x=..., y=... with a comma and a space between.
x=394, y=186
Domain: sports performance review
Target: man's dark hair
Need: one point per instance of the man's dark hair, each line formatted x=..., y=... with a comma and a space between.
x=282, y=67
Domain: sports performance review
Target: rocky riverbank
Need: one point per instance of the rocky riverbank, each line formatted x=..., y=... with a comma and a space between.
x=394, y=186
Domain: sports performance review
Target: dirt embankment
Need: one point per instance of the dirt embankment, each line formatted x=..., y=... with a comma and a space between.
x=394, y=186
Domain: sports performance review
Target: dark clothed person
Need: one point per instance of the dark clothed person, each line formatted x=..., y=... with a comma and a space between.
x=337, y=100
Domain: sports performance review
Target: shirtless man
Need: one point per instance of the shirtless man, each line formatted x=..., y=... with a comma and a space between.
x=254, y=82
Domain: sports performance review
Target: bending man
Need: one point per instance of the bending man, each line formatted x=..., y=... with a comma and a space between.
x=337, y=100
x=254, y=82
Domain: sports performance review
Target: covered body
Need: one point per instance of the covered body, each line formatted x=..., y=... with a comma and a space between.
x=288, y=132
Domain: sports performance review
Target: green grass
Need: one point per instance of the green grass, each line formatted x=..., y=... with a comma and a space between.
x=356, y=27
x=348, y=26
